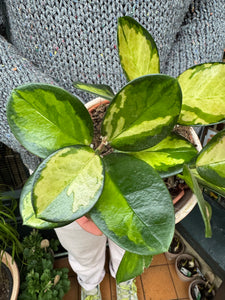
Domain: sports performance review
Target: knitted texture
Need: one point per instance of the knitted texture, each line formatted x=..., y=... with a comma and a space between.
x=59, y=42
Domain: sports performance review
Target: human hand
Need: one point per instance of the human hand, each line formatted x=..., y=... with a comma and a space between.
x=89, y=226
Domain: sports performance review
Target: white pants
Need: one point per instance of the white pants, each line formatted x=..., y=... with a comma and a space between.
x=86, y=254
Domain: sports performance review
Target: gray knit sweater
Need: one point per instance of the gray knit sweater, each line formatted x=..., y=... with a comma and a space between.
x=61, y=41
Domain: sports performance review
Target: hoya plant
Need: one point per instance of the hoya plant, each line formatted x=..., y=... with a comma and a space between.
x=122, y=192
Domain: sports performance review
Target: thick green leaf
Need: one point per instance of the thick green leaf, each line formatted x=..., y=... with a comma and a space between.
x=204, y=206
x=203, y=89
x=45, y=118
x=135, y=209
x=211, y=160
x=132, y=265
x=169, y=156
x=137, y=50
x=67, y=184
x=27, y=211
x=143, y=113
x=101, y=90
x=217, y=189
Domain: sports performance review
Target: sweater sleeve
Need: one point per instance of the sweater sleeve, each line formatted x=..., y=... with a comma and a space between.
x=201, y=38
x=14, y=71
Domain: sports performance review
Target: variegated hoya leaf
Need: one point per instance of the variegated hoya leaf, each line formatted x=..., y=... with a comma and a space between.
x=216, y=189
x=143, y=113
x=135, y=209
x=137, y=50
x=204, y=206
x=211, y=160
x=203, y=89
x=101, y=90
x=45, y=118
x=67, y=184
x=132, y=265
x=168, y=156
x=27, y=211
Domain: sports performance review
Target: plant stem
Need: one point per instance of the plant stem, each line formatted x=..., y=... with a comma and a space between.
x=101, y=147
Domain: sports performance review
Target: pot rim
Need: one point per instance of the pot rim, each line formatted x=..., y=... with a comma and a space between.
x=12, y=266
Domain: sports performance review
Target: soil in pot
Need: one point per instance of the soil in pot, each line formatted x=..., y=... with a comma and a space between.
x=97, y=115
x=201, y=290
x=6, y=282
x=176, y=245
x=187, y=266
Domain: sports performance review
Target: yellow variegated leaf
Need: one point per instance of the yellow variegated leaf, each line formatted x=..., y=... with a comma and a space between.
x=211, y=160
x=67, y=184
x=137, y=49
x=203, y=89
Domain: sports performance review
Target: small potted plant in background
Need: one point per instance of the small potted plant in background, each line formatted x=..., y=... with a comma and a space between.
x=176, y=248
x=10, y=247
x=123, y=192
x=187, y=267
x=40, y=280
x=201, y=289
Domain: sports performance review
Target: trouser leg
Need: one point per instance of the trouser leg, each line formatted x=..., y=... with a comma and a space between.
x=116, y=255
x=86, y=254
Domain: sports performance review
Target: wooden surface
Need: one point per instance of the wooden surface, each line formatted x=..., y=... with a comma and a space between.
x=158, y=282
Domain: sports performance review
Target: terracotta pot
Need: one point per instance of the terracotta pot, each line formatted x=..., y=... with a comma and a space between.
x=193, y=284
x=181, y=274
x=188, y=201
x=95, y=103
x=12, y=266
x=172, y=256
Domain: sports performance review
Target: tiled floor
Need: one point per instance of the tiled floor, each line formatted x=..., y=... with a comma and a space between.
x=158, y=282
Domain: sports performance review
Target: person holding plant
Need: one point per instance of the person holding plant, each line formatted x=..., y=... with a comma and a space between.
x=59, y=42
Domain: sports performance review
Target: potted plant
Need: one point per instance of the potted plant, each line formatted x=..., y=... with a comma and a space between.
x=10, y=247
x=39, y=278
x=75, y=180
x=187, y=267
x=200, y=289
x=176, y=248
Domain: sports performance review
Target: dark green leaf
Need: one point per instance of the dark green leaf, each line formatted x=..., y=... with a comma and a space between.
x=135, y=209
